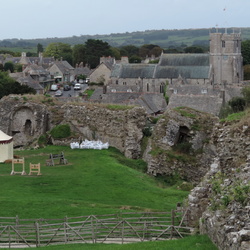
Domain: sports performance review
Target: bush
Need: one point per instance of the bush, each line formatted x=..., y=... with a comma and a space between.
x=237, y=104
x=61, y=131
x=147, y=132
x=42, y=140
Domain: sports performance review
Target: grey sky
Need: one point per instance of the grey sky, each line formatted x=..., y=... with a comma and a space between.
x=27, y=19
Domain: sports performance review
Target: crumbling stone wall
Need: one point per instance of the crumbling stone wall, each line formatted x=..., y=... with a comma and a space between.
x=27, y=119
x=178, y=128
x=121, y=128
x=23, y=120
x=221, y=202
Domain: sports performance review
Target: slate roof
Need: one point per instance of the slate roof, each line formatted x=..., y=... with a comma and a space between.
x=35, y=69
x=63, y=66
x=152, y=102
x=184, y=60
x=189, y=66
x=195, y=90
x=188, y=72
x=82, y=71
x=134, y=70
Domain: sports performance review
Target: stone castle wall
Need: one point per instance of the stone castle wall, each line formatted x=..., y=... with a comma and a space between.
x=26, y=120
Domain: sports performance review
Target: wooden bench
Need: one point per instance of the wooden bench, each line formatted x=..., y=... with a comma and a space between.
x=53, y=157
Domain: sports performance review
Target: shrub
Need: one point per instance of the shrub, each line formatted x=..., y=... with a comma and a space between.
x=42, y=140
x=237, y=104
x=61, y=131
x=147, y=132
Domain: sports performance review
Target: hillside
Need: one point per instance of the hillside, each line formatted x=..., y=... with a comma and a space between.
x=163, y=38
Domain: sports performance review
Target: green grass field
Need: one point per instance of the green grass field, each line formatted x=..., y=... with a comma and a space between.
x=93, y=182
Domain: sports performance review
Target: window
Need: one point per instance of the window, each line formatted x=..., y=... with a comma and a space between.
x=223, y=43
x=162, y=88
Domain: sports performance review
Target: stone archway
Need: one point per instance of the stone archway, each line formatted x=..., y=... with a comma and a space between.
x=22, y=125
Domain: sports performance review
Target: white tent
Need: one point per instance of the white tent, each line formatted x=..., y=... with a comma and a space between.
x=6, y=147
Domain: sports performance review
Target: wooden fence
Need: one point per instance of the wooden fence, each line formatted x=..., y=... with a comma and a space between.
x=114, y=228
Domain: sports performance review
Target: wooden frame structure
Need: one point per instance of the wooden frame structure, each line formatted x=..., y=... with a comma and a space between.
x=18, y=161
x=52, y=157
x=35, y=169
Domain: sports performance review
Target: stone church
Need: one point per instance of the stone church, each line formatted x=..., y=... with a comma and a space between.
x=222, y=66
x=201, y=81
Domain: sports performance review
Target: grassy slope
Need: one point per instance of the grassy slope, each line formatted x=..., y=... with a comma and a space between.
x=92, y=183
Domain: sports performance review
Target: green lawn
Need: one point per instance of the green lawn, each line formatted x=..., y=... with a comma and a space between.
x=197, y=242
x=93, y=182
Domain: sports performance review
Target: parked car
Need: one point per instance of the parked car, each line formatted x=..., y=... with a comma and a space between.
x=77, y=86
x=66, y=87
x=54, y=87
x=58, y=93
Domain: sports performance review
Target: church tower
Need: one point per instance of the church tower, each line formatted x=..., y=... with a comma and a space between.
x=225, y=58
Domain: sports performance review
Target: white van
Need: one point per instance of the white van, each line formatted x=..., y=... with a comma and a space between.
x=54, y=87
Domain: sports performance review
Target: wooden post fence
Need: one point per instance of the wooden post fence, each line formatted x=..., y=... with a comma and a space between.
x=125, y=228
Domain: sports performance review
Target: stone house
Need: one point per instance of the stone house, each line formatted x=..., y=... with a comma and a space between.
x=29, y=81
x=24, y=60
x=81, y=70
x=62, y=71
x=101, y=74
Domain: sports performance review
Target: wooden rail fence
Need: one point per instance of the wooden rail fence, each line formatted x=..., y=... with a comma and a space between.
x=115, y=228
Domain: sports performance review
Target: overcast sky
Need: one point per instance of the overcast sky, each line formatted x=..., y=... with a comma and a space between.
x=28, y=19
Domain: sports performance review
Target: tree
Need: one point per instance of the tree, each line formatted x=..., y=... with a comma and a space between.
x=193, y=49
x=246, y=94
x=237, y=104
x=59, y=50
x=39, y=48
x=10, y=86
x=149, y=50
x=246, y=72
x=135, y=59
x=9, y=66
x=129, y=50
x=78, y=53
x=94, y=50
x=245, y=51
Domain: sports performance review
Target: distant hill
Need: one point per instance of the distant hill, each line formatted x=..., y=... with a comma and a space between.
x=163, y=38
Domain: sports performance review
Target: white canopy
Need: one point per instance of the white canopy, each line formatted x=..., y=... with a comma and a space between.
x=4, y=138
x=6, y=147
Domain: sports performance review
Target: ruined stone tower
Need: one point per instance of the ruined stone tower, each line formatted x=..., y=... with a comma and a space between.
x=225, y=58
